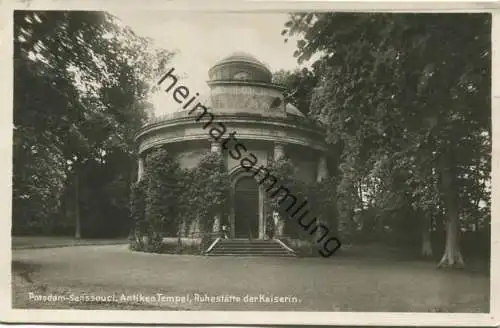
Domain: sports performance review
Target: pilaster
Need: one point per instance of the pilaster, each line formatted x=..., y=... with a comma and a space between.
x=322, y=172
x=279, y=151
x=215, y=147
x=140, y=168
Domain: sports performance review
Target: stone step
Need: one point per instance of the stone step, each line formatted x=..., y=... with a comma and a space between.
x=251, y=249
x=253, y=242
x=252, y=254
x=248, y=253
x=245, y=247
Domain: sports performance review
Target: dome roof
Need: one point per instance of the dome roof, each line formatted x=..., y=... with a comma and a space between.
x=291, y=109
x=240, y=66
x=241, y=56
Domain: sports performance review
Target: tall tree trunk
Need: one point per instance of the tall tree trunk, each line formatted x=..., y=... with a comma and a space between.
x=426, y=234
x=426, y=243
x=476, y=221
x=452, y=256
x=131, y=227
x=179, y=234
x=77, y=208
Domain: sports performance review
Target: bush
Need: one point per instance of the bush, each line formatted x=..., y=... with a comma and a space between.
x=206, y=241
x=163, y=188
x=168, y=195
x=270, y=228
x=185, y=246
x=209, y=190
x=154, y=205
x=303, y=248
x=155, y=244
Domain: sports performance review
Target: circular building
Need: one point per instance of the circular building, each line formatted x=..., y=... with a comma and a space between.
x=247, y=108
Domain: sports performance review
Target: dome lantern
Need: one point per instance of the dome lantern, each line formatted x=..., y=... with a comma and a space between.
x=240, y=66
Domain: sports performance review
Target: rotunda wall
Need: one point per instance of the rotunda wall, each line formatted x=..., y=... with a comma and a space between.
x=247, y=98
x=190, y=156
x=261, y=151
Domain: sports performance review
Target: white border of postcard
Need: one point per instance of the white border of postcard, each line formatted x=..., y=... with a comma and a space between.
x=10, y=315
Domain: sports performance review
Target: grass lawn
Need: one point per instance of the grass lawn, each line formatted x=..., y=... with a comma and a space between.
x=46, y=242
x=340, y=283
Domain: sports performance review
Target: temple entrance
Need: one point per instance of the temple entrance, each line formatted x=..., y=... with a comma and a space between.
x=246, y=213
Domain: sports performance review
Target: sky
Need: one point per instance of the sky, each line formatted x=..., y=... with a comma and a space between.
x=202, y=39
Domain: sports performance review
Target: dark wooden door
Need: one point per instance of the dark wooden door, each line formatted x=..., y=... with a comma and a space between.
x=246, y=204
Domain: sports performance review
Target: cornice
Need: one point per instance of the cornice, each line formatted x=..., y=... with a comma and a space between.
x=259, y=65
x=274, y=121
x=242, y=137
x=247, y=83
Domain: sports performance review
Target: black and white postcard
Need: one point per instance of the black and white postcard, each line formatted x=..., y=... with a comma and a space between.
x=249, y=163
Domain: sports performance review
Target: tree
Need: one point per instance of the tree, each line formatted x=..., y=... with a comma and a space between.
x=283, y=170
x=322, y=195
x=300, y=84
x=137, y=208
x=80, y=92
x=210, y=190
x=161, y=196
x=410, y=91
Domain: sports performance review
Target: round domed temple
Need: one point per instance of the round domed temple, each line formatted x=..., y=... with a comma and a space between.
x=243, y=102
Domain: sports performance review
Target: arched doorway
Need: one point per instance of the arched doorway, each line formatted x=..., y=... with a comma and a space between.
x=246, y=208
